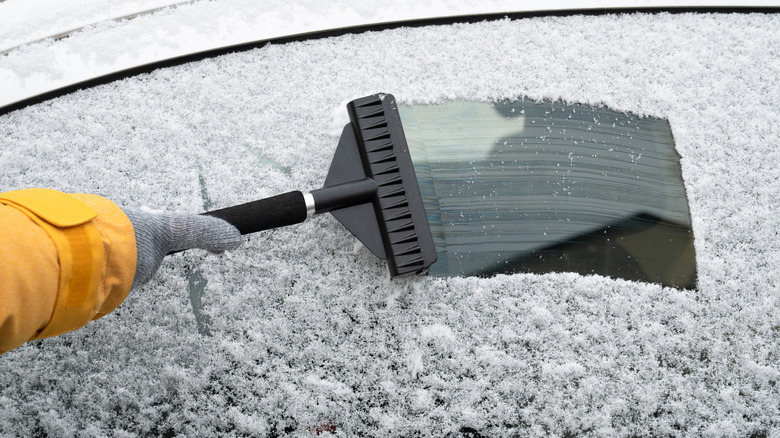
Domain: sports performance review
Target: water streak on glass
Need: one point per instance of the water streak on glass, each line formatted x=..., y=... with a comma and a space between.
x=527, y=186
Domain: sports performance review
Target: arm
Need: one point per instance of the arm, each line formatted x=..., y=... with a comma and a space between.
x=58, y=271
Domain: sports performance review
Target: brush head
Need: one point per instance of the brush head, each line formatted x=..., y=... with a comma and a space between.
x=393, y=224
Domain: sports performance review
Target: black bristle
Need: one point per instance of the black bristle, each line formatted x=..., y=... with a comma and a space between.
x=406, y=234
x=384, y=168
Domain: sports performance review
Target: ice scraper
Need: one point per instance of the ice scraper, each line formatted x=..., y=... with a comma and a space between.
x=371, y=188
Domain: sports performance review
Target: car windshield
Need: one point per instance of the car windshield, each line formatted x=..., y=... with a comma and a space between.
x=529, y=186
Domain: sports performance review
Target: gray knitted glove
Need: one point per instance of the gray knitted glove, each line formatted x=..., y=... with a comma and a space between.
x=157, y=235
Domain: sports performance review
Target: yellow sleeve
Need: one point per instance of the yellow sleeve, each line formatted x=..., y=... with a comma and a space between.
x=33, y=301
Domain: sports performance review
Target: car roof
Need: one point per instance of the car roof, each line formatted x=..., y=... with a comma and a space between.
x=66, y=47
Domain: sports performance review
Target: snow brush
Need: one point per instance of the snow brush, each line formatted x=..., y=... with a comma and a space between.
x=370, y=188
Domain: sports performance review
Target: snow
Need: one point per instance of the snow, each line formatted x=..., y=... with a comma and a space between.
x=24, y=22
x=308, y=335
x=101, y=39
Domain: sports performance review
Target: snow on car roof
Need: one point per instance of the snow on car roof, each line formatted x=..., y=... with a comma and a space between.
x=301, y=331
x=49, y=44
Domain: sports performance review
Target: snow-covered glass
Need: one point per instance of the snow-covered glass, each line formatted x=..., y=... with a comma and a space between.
x=528, y=186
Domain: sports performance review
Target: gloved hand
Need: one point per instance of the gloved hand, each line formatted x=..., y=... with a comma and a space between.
x=157, y=235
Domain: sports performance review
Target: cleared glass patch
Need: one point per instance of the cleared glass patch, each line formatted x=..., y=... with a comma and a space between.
x=527, y=186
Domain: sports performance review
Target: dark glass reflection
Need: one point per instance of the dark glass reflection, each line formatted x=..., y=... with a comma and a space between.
x=538, y=187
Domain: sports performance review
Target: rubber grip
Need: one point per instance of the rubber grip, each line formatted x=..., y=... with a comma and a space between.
x=264, y=214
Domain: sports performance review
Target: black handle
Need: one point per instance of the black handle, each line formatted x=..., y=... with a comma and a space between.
x=344, y=195
x=276, y=211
